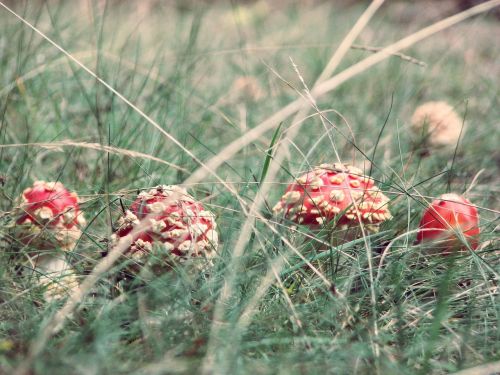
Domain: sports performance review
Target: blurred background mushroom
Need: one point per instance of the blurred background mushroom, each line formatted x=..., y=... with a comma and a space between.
x=436, y=125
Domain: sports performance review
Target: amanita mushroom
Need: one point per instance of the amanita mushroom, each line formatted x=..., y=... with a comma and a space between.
x=438, y=123
x=246, y=88
x=336, y=193
x=171, y=218
x=449, y=223
x=52, y=275
x=48, y=216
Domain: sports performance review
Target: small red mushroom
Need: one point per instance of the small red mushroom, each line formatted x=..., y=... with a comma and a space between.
x=172, y=218
x=448, y=221
x=336, y=193
x=48, y=216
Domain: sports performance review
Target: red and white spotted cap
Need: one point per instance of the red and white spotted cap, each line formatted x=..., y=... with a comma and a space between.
x=334, y=192
x=170, y=217
x=48, y=216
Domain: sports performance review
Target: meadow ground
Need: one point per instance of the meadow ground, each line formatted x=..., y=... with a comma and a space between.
x=208, y=75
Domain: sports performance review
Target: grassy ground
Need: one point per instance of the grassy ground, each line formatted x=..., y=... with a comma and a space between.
x=416, y=314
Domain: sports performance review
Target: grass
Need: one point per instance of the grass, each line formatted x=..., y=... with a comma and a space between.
x=413, y=314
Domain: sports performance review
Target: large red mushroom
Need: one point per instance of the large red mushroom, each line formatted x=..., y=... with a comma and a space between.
x=170, y=218
x=451, y=223
x=334, y=193
x=48, y=216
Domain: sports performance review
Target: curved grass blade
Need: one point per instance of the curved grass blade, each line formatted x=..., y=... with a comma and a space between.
x=269, y=154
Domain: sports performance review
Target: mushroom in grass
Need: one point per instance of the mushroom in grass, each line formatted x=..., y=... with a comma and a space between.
x=48, y=216
x=51, y=275
x=438, y=124
x=169, y=219
x=449, y=224
x=246, y=88
x=334, y=193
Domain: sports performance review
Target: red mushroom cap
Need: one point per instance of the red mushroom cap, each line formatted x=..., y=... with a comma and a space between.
x=49, y=216
x=334, y=191
x=448, y=216
x=173, y=218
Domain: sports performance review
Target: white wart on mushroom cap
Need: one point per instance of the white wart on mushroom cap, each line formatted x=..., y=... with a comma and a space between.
x=168, y=216
x=334, y=192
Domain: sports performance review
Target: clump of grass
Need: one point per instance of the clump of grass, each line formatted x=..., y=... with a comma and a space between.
x=288, y=308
